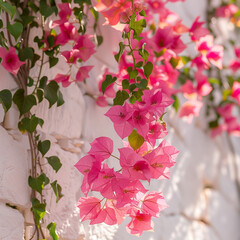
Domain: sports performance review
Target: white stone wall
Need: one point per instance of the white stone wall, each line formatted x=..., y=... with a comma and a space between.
x=202, y=193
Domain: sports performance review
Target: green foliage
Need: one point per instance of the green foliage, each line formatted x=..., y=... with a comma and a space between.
x=147, y=69
x=38, y=209
x=120, y=52
x=44, y=146
x=15, y=29
x=137, y=26
x=38, y=183
x=120, y=98
x=54, y=161
x=53, y=94
x=30, y=124
x=176, y=102
x=7, y=7
x=24, y=103
x=52, y=227
x=57, y=190
x=47, y=10
x=135, y=140
x=6, y=99
x=107, y=82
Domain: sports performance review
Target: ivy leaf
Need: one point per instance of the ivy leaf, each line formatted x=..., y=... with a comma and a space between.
x=15, y=29
x=147, y=69
x=6, y=99
x=51, y=92
x=176, y=102
x=142, y=84
x=18, y=98
x=135, y=140
x=44, y=146
x=28, y=103
x=107, y=82
x=30, y=124
x=26, y=53
x=7, y=7
x=137, y=26
x=43, y=82
x=213, y=124
x=120, y=52
x=125, y=84
x=120, y=98
x=60, y=100
x=47, y=10
x=38, y=183
x=57, y=190
x=144, y=54
x=53, y=61
x=99, y=40
x=52, y=227
x=38, y=209
x=54, y=161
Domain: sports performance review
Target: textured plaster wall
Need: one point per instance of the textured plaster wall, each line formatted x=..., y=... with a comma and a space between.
x=202, y=194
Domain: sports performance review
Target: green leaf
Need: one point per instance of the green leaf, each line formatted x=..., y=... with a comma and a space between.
x=213, y=124
x=142, y=13
x=44, y=146
x=185, y=59
x=125, y=84
x=33, y=6
x=30, y=124
x=1, y=23
x=176, y=102
x=57, y=190
x=7, y=7
x=214, y=81
x=52, y=227
x=120, y=98
x=147, y=69
x=99, y=40
x=60, y=100
x=120, y=52
x=139, y=64
x=51, y=92
x=39, y=95
x=38, y=183
x=28, y=103
x=53, y=61
x=3, y=40
x=47, y=10
x=133, y=74
x=137, y=26
x=107, y=82
x=144, y=54
x=15, y=29
x=38, y=209
x=135, y=140
x=26, y=53
x=142, y=84
x=6, y=99
x=138, y=94
x=54, y=161
x=30, y=82
x=43, y=82
x=174, y=62
x=36, y=57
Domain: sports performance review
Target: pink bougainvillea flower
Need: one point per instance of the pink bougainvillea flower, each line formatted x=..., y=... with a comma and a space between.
x=101, y=147
x=161, y=159
x=68, y=32
x=157, y=130
x=64, y=14
x=64, y=79
x=153, y=203
x=190, y=109
x=203, y=86
x=235, y=65
x=82, y=73
x=89, y=208
x=236, y=92
x=71, y=56
x=101, y=101
x=109, y=91
x=237, y=52
x=225, y=111
x=218, y=130
x=189, y=90
x=164, y=38
x=120, y=115
x=226, y=11
x=10, y=60
x=85, y=47
x=140, y=222
x=197, y=31
x=133, y=165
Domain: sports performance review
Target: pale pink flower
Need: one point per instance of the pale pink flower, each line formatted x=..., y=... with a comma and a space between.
x=226, y=11
x=236, y=91
x=197, y=31
x=64, y=79
x=82, y=73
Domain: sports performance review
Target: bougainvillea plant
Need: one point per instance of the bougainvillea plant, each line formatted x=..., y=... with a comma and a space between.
x=153, y=71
